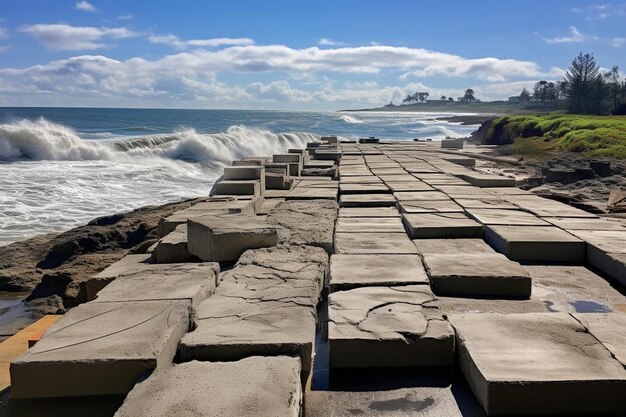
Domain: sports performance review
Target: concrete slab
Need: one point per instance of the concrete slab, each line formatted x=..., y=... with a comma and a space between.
x=421, y=196
x=305, y=222
x=352, y=271
x=172, y=248
x=489, y=216
x=225, y=238
x=441, y=225
x=367, y=200
x=485, y=203
x=182, y=390
x=442, y=206
x=373, y=243
x=536, y=243
x=363, y=188
x=577, y=223
x=242, y=172
x=452, y=246
x=606, y=251
x=369, y=225
x=369, y=212
x=387, y=327
x=405, y=186
x=100, y=349
x=479, y=275
x=484, y=180
x=537, y=363
x=609, y=329
x=251, y=187
x=544, y=207
x=311, y=193
x=266, y=305
x=192, y=282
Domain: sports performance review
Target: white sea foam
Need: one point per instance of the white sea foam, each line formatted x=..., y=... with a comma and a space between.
x=52, y=180
x=350, y=119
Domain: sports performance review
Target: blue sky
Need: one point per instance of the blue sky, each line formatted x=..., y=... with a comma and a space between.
x=318, y=55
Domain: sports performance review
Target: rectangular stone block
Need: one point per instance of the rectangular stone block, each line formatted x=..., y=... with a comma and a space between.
x=452, y=144
x=536, y=243
x=485, y=203
x=609, y=329
x=225, y=238
x=173, y=247
x=276, y=389
x=421, y=196
x=479, y=274
x=369, y=225
x=373, y=243
x=387, y=327
x=489, y=216
x=441, y=206
x=100, y=349
x=537, y=363
x=367, y=200
x=363, y=188
x=606, y=251
x=252, y=187
x=189, y=282
x=441, y=225
x=353, y=271
x=484, y=180
x=452, y=246
x=368, y=212
x=238, y=173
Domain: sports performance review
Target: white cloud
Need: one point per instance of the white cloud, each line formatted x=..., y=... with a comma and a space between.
x=4, y=48
x=575, y=36
x=4, y=33
x=128, y=16
x=85, y=6
x=618, y=42
x=601, y=11
x=190, y=78
x=330, y=42
x=74, y=38
x=176, y=42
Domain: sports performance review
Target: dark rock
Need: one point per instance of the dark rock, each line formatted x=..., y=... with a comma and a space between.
x=601, y=168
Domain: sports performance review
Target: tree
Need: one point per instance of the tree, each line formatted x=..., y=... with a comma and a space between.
x=615, y=88
x=585, y=86
x=524, y=95
x=450, y=99
x=469, y=95
x=443, y=98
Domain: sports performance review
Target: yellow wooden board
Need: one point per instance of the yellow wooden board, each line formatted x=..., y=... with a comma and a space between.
x=16, y=345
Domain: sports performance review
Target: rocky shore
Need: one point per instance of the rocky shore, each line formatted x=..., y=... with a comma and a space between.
x=348, y=278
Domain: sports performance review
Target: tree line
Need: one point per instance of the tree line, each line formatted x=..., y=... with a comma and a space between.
x=585, y=89
x=422, y=97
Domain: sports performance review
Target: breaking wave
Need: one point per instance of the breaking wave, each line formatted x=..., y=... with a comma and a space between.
x=41, y=140
x=350, y=119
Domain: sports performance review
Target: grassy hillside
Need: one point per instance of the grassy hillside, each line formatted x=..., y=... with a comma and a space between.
x=542, y=134
x=487, y=107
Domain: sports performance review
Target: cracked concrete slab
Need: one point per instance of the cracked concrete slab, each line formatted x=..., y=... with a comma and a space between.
x=537, y=363
x=310, y=222
x=535, y=243
x=505, y=217
x=479, y=274
x=369, y=225
x=173, y=247
x=441, y=225
x=387, y=327
x=100, y=349
x=443, y=206
x=266, y=305
x=225, y=238
x=609, y=329
x=420, y=196
x=352, y=271
x=373, y=243
x=368, y=212
x=367, y=200
x=452, y=246
x=219, y=389
x=363, y=188
x=192, y=282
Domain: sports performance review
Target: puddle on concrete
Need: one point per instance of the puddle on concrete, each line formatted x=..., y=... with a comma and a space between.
x=584, y=306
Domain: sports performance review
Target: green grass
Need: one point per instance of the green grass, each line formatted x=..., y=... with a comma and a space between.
x=603, y=136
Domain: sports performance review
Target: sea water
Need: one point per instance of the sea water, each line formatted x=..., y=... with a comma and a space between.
x=61, y=167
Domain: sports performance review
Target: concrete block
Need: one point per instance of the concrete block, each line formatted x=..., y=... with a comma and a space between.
x=182, y=390
x=369, y=140
x=609, y=329
x=173, y=247
x=353, y=271
x=225, y=238
x=327, y=155
x=441, y=225
x=373, y=243
x=478, y=274
x=238, y=173
x=441, y=206
x=100, y=349
x=369, y=212
x=367, y=200
x=190, y=282
x=452, y=246
x=452, y=144
x=421, y=196
x=369, y=225
x=329, y=139
x=536, y=243
x=489, y=216
x=484, y=180
x=252, y=187
x=537, y=363
x=387, y=327
x=404, y=186
x=363, y=188
x=485, y=203
x=606, y=251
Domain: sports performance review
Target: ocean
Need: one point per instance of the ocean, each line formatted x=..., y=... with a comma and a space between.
x=61, y=167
